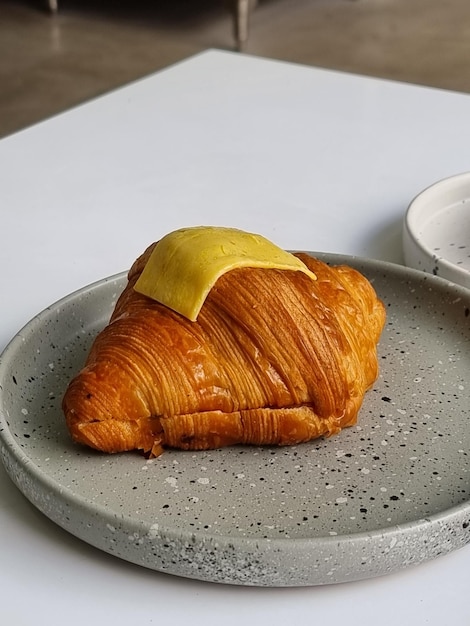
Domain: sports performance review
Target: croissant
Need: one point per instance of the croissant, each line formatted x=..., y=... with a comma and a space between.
x=274, y=358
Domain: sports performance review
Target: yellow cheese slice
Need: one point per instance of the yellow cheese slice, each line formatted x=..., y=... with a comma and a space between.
x=185, y=264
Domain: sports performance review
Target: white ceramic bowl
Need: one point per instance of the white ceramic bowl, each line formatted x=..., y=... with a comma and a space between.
x=436, y=233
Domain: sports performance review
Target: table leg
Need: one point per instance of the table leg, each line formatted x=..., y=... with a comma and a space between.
x=243, y=9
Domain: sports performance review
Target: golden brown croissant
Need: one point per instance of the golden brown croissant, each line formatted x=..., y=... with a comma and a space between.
x=273, y=358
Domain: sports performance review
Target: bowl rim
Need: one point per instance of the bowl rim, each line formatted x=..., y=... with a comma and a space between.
x=414, y=211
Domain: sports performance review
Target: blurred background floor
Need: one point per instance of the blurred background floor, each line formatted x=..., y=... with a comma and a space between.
x=49, y=63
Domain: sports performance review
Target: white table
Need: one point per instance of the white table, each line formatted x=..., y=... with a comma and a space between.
x=314, y=160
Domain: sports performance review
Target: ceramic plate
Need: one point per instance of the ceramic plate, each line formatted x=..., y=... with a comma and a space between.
x=390, y=492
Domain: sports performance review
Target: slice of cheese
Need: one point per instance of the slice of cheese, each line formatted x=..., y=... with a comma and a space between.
x=184, y=265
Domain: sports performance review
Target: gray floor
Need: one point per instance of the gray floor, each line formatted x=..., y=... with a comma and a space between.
x=49, y=63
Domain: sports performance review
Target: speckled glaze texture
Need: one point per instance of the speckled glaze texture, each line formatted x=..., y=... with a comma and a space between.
x=390, y=492
x=436, y=232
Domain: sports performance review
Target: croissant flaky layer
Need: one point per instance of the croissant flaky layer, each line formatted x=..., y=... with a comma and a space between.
x=274, y=358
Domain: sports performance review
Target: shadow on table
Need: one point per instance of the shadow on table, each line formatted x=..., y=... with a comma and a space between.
x=386, y=242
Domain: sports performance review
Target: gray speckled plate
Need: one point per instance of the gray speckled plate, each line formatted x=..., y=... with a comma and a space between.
x=392, y=491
